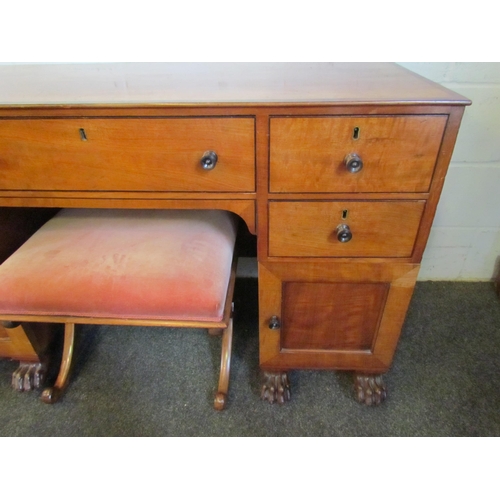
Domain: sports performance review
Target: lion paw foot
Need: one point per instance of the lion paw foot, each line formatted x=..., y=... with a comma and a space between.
x=28, y=376
x=370, y=389
x=276, y=388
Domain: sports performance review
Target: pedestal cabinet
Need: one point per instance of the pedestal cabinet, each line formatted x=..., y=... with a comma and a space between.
x=336, y=168
x=352, y=191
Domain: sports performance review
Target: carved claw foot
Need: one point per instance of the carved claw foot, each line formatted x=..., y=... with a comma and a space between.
x=29, y=376
x=276, y=387
x=370, y=389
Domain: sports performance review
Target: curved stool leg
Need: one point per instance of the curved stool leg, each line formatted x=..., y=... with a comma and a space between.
x=225, y=365
x=52, y=394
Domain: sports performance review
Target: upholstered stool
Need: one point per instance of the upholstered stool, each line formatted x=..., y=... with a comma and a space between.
x=172, y=268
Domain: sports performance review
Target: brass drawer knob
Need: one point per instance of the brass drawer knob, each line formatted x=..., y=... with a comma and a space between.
x=209, y=160
x=344, y=233
x=353, y=163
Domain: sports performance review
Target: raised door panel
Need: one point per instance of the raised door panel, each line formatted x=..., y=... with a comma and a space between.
x=399, y=153
x=332, y=316
x=127, y=154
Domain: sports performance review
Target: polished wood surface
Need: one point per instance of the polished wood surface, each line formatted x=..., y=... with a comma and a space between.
x=387, y=285
x=331, y=316
x=282, y=131
x=16, y=345
x=309, y=228
x=120, y=154
x=215, y=83
x=399, y=153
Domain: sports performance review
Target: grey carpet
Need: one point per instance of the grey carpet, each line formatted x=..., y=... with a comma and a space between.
x=445, y=380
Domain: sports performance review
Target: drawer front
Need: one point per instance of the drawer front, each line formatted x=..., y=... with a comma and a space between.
x=307, y=154
x=127, y=154
x=310, y=228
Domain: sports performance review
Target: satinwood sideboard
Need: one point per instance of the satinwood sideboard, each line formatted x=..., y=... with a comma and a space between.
x=336, y=168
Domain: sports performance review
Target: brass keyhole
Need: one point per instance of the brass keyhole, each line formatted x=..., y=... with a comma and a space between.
x=355, y=133
x=344, y=214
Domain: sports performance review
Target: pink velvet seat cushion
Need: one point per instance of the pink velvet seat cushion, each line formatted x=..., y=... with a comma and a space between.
x=135, y=264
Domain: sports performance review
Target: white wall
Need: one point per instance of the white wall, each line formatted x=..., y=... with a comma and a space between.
x=464, y=243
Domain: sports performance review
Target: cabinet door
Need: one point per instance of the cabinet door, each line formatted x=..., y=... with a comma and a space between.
x=323, y=315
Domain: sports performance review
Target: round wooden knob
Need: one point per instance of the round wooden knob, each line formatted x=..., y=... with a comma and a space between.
x=209, y=160
x=344, y=233
x=353, y=163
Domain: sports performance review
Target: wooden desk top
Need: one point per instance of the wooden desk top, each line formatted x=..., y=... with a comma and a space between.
x=188, y=84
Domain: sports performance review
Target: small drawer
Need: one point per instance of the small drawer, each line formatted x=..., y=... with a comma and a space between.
x=127, y=154
x=316, y=228
x=398, y=153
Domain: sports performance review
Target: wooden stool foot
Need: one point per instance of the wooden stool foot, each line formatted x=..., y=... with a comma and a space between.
x=220, y=401
x=51, y=395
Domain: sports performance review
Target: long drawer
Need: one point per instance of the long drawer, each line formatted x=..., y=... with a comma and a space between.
x=343, y=228
x=315, y=154
x=127, y=154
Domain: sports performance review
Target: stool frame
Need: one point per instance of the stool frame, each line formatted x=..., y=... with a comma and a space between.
x=224, y=327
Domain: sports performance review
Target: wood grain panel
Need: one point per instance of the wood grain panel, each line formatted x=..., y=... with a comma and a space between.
x=181, y=84
x=379, y=228
x=399, y=153
x=385, y=289
x=16, y=344
x=367, y=342
x=127, y=154
x=4, y=336
x=340, y=316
